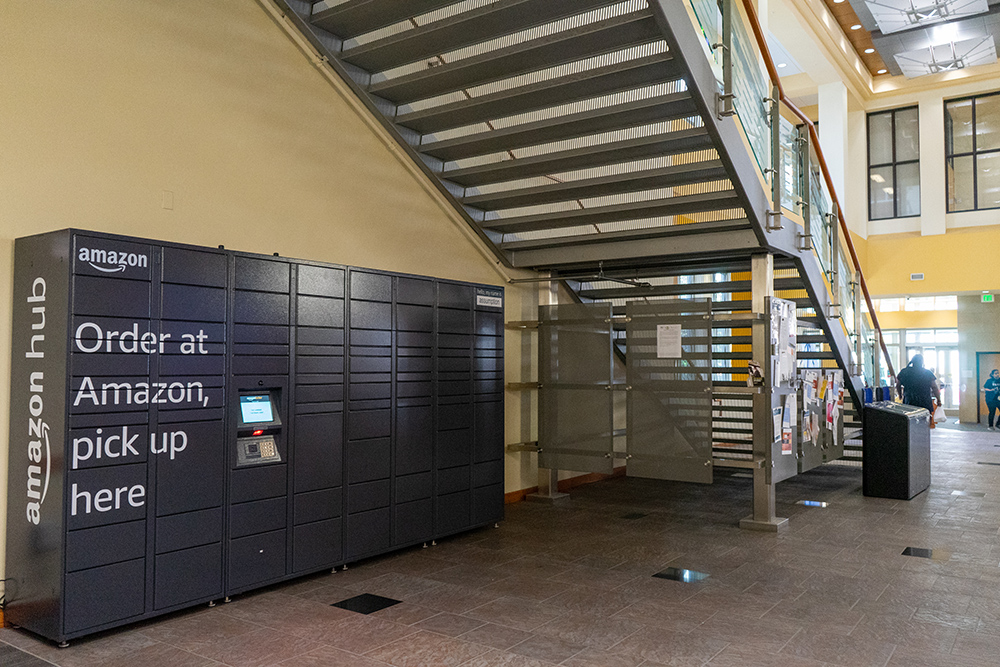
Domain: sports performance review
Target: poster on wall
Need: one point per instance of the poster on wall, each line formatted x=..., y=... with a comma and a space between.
x=668, y=341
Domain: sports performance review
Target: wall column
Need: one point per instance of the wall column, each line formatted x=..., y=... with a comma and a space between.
x=933, y=188
x=833, y=133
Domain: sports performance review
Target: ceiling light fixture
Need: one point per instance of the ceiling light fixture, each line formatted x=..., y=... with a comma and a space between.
x=869, y=50
x=782, y=64
x=895, y=15
x=948, y=57
x=856, y=26
x=882, y=71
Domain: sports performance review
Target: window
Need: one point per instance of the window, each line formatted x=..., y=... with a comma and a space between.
x=916, y=303
x=893, y=164
x=972, y=152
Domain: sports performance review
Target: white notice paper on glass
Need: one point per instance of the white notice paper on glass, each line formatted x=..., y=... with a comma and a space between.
x=668, y=341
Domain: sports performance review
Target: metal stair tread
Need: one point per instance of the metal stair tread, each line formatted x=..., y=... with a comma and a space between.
x=630, y=234
x=602, y=186
x=568, y=126
x=656, y=145
x=608, y=80
x=463, y=29
x=350, y=19
x=560, y=48
x=711, y=201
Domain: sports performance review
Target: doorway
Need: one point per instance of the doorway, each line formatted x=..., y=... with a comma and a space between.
x=940, y=350
x=986, y=362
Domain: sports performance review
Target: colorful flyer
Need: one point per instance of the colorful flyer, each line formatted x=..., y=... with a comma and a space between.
x=787, y=422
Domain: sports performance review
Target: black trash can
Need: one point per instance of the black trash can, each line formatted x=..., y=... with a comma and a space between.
x=897, y=450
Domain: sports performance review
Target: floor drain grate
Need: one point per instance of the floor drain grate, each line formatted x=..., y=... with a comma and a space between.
x=366, y=603
x=679, y=574
x=918, y=552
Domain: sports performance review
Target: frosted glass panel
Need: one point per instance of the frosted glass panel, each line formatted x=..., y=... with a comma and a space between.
x=575, y=398
x=669, y=367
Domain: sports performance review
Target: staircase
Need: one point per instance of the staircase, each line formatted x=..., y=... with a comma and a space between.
x=587, y=138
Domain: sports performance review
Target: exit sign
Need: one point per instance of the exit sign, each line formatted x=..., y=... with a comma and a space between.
x=987, y=298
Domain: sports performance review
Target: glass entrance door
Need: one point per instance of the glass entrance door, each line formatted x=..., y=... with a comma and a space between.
x=940, y=350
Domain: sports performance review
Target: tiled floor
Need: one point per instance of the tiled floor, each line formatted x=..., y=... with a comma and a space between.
x=573, y=586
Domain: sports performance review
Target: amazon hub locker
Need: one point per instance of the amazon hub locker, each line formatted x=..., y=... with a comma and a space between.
x=189, y=423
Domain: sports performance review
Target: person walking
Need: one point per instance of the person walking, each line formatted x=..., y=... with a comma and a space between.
x=992, y=391
x=918, y=385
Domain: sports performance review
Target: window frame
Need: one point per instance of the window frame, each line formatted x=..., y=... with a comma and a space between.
x=974, y=153
x=894, y=164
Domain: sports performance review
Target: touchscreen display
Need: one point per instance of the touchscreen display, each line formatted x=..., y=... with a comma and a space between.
x=256, y=409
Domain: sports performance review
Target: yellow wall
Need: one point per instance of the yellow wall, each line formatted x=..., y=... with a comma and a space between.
x=958, y=261
x=926, y=319
x=105, y=105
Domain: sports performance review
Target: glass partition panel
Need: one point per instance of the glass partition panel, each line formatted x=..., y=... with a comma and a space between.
x=819, y=207
x=791, y=191
x=708, y=18
x=845, y=290
x=669, y=372
x=751, y=87
x=575, y=375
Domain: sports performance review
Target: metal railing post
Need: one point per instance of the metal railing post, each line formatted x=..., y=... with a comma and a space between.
x=805, y=189
x=859, y=338
x=724, y=101
x=774, y=119
x=877, y=356
x=834, y=222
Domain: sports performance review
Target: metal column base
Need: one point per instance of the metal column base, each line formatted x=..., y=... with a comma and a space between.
x=550, y=498
x=548, y=485
x=772, y=526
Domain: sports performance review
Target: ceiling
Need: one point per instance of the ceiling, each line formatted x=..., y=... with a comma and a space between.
x=918, y=37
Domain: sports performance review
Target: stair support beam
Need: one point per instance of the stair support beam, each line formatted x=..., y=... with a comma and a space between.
x=763, y=517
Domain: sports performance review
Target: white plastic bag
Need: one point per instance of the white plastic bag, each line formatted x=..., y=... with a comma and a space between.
x=939, y=415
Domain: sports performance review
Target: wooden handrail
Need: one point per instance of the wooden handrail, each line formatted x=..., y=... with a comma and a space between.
x=772, y=72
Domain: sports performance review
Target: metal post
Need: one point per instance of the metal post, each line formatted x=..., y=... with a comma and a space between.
x=724, y=101
x=805, y=200
x=877, y=356
x=762, y=287
x=548, y=479
x=859, y=339
x=774, y=215
x=834, y=219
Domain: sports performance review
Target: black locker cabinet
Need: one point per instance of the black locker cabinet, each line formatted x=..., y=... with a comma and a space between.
x=317, y=533
x=413, y=451
x=258, y=494
x=488, y=449
x=455, y=421
x=369, y=414
x=129, y=491
x=115, y=500
x=190, y=487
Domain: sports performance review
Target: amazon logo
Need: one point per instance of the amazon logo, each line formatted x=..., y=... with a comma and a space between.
x=111, y=261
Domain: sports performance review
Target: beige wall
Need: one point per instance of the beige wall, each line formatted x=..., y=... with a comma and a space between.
x=106, y=105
